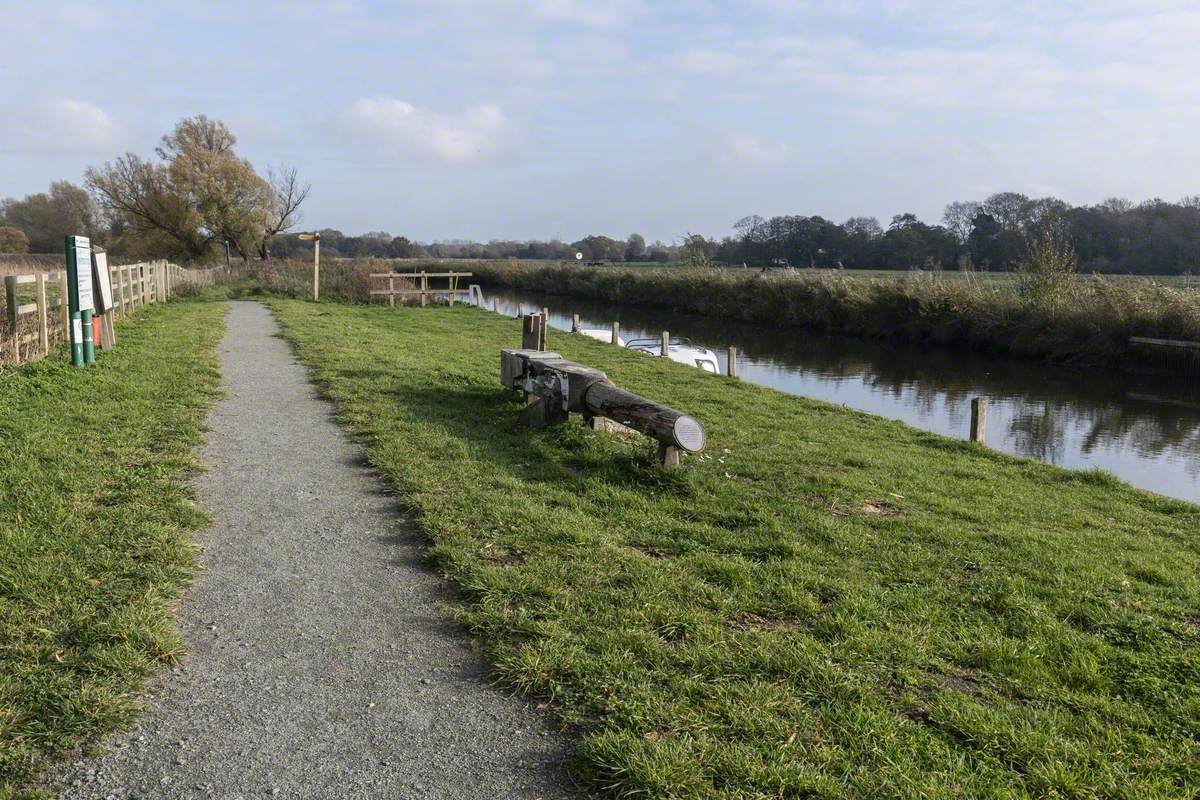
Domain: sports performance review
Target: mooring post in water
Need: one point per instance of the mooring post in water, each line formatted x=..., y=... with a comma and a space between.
x=731, y=362
x=978, y=419
x=666, y=344
x=616, y=333
x=574, y=323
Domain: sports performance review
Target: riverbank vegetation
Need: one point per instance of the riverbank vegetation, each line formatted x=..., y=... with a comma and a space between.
x=825, y=604
x=94, y=528
x=1079, y=319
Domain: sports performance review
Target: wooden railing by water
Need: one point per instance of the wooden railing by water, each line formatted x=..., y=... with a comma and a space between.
x=410, y=285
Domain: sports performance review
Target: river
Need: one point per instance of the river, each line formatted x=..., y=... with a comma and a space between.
x=1145, y=431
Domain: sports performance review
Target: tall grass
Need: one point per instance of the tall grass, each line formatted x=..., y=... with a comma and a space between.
x=1087, y=320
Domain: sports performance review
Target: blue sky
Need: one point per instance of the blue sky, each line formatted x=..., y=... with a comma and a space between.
x=537, y=118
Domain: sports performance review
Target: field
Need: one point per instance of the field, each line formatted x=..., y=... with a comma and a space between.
x=826, y=604
x=94, y=528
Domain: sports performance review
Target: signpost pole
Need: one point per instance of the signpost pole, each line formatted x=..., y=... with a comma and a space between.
x=317, y=267
x=79, y=289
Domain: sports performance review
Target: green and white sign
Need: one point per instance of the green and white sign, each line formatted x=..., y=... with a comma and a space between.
x=79, y=298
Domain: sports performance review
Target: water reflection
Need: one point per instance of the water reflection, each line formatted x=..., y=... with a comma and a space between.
x=1145, y=431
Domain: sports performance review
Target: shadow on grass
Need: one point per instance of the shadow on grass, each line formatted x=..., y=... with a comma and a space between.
x=571, y=452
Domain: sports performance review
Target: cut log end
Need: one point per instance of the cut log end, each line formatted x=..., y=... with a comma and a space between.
x=688, y=434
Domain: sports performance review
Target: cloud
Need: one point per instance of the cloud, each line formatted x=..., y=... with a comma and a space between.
x=59, y=126
x=748, y=149
x=400, y=127
x=589, y=13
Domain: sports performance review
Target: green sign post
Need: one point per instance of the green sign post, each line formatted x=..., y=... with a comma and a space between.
x=79, y=297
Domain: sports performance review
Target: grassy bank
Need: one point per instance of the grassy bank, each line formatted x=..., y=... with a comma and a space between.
x=1088, y=323
x=827, y=604
x=94, y=521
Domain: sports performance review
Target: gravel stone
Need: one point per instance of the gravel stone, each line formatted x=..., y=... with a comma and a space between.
x=337, y=671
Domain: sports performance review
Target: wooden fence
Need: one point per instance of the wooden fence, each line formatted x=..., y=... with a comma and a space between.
x=410, y=285
x=36, y=316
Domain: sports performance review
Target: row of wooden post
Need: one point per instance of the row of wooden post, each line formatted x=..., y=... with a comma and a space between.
x=978, y=404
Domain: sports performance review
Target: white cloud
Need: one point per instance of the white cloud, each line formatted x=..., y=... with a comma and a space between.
x=748, y=149
x=59, y=126
x=400, y=127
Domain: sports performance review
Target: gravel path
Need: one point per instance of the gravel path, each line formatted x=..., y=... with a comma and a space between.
x=323, y=662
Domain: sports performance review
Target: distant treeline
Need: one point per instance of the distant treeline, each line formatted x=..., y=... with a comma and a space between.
x=1116, y=236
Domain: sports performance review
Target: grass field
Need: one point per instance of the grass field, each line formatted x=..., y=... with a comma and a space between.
x=826, y=604
x=94, y=524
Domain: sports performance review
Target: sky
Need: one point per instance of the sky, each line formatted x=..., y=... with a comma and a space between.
x=523, y=119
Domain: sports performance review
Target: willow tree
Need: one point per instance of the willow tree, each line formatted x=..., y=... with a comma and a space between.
x=196, y=195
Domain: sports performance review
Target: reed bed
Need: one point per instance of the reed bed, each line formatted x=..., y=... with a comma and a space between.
x=1089, y=322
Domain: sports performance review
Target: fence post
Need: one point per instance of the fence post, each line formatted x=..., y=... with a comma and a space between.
x=731, y=366
x=10, y=291
x=43, y=313
x=666, y=344
x=978, y=419
x=391, y=289
x=64, y=306
x=424, y=287
x=453, y=286
x=118, y=292
x=616, y=332
x=495, y=305
x=574, y=323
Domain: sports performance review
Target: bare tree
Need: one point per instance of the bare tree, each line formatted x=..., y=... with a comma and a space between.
x=287, y=195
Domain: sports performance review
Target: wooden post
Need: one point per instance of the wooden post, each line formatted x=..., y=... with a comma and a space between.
x=128, y=293
x=391, y=290
x=978, y=419
x=317, y=268
x=666, y=344
x=453, y=286
x=64, y=307
x=533, y=332
x=731, y=366
x=616, y=333
x=118, y=292
x=495, y=305
x=668, y=455
x=520, y=310
x=106, y=341
x=545, y=312
x=574, y=323
x=43, y=313
x=10, y=291
x=424, y=287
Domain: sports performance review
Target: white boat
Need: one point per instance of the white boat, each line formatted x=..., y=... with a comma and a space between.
x=680, y=350
x=601, y=335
